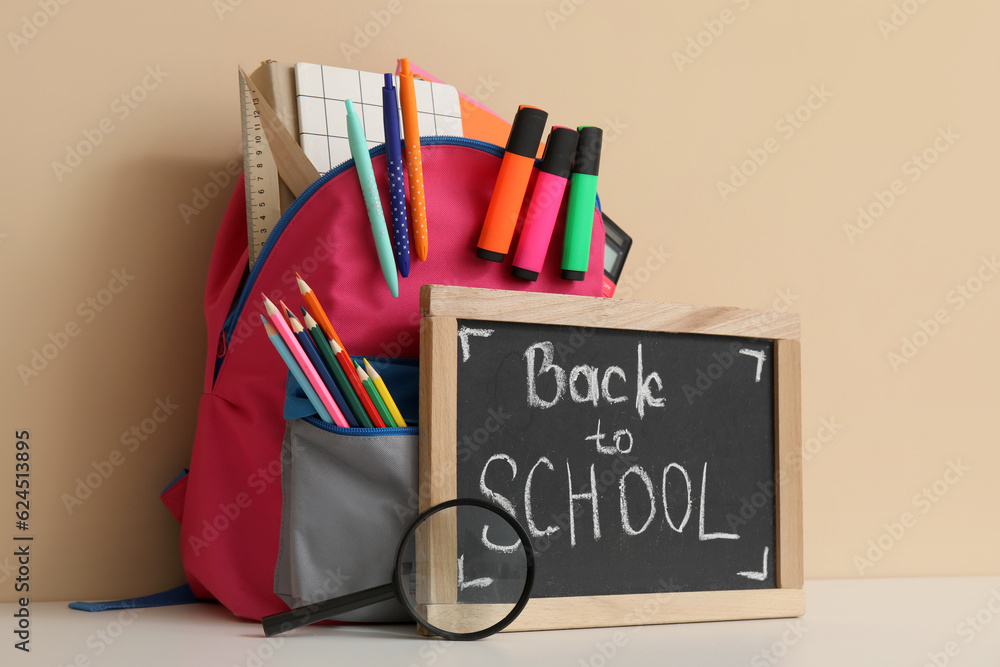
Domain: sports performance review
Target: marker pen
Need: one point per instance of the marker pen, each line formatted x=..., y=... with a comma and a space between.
x=546, y=198
x=512, y=182
x=582, y=198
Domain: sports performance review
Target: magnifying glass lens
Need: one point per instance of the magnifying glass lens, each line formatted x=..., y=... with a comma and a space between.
x=463, y=571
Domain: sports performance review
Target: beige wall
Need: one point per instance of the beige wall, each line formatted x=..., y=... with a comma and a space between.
x=673, y=132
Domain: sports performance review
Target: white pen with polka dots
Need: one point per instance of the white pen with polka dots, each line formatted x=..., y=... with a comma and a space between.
x=414, y=167
x=366, y=176
x=394, y=166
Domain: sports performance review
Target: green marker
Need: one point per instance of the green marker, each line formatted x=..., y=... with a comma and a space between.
x=582, y=199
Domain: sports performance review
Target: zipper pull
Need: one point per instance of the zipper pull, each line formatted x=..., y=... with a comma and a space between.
x=220, y=351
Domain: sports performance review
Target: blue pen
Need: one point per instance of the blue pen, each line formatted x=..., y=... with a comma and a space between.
x=394, y=163
x=363, y=163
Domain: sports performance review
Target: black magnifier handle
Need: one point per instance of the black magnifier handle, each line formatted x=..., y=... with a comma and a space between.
x=320, y=611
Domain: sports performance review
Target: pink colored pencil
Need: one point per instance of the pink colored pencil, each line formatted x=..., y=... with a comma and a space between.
x=281, y=324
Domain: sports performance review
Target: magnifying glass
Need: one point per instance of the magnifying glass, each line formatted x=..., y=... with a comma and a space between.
x=464, y=570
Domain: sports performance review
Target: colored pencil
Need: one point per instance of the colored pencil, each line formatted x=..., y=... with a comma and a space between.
x=293, y=366
x=352, y=376
x=373, y=394
x=307, y=368
x=316, y=310
x=317, y=361
x=384, y=393
x=331, y=335
x=330, y=360
x=285, y=312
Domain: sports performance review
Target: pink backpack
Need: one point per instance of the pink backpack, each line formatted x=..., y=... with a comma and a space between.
x=229, y=503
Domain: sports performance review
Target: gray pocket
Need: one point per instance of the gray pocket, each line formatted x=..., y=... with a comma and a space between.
x=346, y=501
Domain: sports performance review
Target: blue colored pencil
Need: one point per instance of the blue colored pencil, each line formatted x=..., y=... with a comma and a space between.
x=317, y=361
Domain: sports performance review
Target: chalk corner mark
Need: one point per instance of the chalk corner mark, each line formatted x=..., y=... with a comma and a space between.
x=757, y=576
x=761, y=358
x=463, y=337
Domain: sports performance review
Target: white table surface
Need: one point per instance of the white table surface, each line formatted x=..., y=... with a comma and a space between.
x=847, y=623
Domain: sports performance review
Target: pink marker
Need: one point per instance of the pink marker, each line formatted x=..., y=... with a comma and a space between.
x=300, y=356
x=546, y=198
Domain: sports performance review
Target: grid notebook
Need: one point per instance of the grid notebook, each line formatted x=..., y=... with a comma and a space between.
x=320, y=94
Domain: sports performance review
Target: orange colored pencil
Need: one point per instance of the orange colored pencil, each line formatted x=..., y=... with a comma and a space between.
x=352, y=377
x=316, y=310
x=285, y=312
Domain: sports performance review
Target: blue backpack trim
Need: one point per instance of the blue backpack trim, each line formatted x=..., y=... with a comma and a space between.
x=180, y=595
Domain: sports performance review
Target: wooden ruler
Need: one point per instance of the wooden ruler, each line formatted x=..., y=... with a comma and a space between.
x=260, y=171
x=269, y=151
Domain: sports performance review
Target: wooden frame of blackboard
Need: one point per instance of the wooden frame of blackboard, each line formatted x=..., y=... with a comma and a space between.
x=441, y=308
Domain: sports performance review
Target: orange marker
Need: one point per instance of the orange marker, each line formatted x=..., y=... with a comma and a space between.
x=414, y=167
x=316, y=310
x=512, y=182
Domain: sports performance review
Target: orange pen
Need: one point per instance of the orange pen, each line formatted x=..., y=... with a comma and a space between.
x=414, y=167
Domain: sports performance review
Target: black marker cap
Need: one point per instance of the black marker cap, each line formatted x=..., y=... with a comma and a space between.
x=483, y=253
x=526, y=131
x=560, y=148
x=573, y=275
x=588, y=151
x=518, y=272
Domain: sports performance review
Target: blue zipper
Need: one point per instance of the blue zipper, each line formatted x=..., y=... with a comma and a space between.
x=272, y=238
x=361, y=431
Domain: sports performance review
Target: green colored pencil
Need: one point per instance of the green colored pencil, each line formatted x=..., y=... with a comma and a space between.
x=372, y=390
x=325, y=351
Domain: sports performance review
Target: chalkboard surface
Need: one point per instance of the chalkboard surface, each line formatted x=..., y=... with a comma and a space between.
x=651, y=450
x=647, y=458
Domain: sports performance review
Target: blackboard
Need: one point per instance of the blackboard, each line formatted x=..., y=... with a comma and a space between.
x=637, y=443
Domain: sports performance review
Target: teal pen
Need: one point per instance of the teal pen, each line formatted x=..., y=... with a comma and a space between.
x=293, y=366
x=366, y=176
